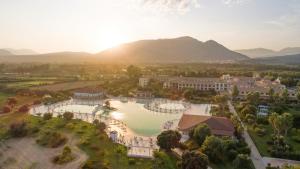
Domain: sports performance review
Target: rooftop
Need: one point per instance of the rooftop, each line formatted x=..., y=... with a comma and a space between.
x=218, y=125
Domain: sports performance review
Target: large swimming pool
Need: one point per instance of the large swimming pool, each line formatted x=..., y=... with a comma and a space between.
x=140, y=120
x=137, y=118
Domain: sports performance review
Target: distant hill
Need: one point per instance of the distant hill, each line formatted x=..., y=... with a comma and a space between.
x=178, y=50
x=21, y=51
x=59, y=57
x=278, y=60
x=4, y=52
x=262, y=52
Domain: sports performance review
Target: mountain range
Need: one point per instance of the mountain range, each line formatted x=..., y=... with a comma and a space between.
x=182, y=49
x=9, y=51
x=177, y=50
x=262, y=52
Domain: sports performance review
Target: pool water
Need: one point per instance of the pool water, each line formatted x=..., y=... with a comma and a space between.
x=142, y=121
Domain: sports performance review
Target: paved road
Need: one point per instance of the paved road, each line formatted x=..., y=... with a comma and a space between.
x=255, y=155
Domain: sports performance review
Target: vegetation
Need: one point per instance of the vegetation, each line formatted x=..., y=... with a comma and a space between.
x=51, y=139
x=200, y=133
x=168, y=139
x=194, y=160
x=65, y=157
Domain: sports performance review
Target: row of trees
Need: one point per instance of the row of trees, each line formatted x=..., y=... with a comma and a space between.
x=210, y=148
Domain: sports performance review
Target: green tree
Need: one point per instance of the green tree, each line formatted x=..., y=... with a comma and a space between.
x=271, y=95
x=68, y=116
x=298, y=96
x=133, y=72
x=18, y=129
x=99, y=125
x=281, y=123
x=162, y=161
x=287, y=122
x=273, y=122
x=200, y=133
x=253, y=98
x=235, y=92
x=213, y=148
x=248, y=109
x=194, y=160
x=285, y=96
x=168, y=139
x=242, y=161
x=47, y=116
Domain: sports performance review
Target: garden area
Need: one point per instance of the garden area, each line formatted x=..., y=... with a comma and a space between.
x=277, y=134
x=52, y=132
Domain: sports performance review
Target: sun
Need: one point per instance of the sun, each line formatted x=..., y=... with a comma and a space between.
x=111, y=39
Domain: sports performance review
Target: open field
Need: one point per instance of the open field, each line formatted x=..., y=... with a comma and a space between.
x=3, y=97
x=26, y=84
x=67, y=85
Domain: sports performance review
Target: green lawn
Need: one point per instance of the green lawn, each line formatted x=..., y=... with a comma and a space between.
x=261, y=142
x=3, y=97
x=26, y=84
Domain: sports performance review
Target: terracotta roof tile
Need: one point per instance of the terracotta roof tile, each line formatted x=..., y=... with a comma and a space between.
x=218, y=125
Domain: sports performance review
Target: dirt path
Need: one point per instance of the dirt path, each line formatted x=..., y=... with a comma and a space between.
x=24, y=153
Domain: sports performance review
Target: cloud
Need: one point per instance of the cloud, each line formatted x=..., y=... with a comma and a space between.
x=290, y=20
x=181, y=6
x=234, y=2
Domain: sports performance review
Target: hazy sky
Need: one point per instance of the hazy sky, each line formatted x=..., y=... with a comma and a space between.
x=92, y=25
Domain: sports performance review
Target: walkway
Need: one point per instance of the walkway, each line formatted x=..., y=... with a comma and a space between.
x=255, y=155
x=279, y=162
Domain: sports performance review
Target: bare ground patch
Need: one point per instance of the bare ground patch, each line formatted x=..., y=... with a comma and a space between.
x=24, y=153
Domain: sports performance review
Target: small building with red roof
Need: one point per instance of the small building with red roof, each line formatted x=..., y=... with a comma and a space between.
x=219, y=126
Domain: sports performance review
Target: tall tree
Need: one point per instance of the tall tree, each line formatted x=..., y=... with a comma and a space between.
x=168, y=139
x=253, y=98
x=200, y=133
x=213, y=148
x=194, y=160
x=285, y=96
x=235, y=92
x=242, y=161
x=133, y=72
x=287, y=122
x=271, y=95
x=162, y=161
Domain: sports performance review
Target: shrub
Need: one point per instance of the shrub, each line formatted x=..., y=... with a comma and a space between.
x=18, y=129
x=296, y=138
x=47, y=116
x=260, y=131
x=131, y=161
x=65, y=157
x=12, y=101
x=23, y=109
x=68, y=116
x=242, y=161
x=6, y=109
x=51, y=139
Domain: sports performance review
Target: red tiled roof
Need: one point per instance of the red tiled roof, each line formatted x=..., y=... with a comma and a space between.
x=218, y=125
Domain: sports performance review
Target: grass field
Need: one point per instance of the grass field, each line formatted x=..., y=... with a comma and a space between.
x=67, y=85
x=26, y=84
x=3, y=97
x=261, y=141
